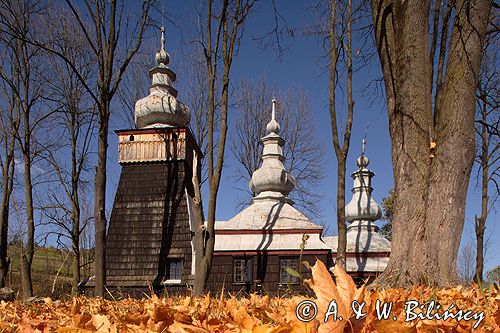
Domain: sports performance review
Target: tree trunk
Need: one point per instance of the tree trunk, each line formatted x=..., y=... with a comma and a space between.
x=480, y=223
x=29, y=250
x=100, y=200
x=7, y=182
x=341, y=223
x=201, y=269
x=76, y=168
x=430, y=182
x=75, y=237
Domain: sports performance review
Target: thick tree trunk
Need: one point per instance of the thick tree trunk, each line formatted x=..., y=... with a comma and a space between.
x=201, y=267
x=100, y=200
x=430, y=185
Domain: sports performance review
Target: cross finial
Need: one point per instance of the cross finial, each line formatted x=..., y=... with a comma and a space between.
x=162, y=57
x=363, y=142
x=162, y=38
x=273, y=126
x=273, y=113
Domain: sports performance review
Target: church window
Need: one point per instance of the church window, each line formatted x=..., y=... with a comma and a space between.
x=174, y=270
x=242, y=270
x=284, y=276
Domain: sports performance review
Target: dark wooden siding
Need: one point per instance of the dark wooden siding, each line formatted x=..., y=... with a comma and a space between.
x=149, y=224
x=265, y=267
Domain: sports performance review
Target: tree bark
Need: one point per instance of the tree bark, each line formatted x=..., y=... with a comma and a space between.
x=10, y=131
x=26, y=141
x=75, y=203
x=432, y=153
x=29, y=249
x=100, y=200
x=7, y=184
x=200, y=263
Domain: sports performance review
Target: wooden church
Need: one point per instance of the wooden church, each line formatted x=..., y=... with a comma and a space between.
x=150, y=239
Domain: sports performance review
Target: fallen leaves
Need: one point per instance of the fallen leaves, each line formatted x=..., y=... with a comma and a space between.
x=255, y=313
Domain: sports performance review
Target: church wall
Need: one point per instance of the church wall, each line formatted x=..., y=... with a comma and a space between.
x=265, y=267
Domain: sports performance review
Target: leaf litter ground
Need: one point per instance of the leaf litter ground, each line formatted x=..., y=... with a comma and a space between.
x=255, y=313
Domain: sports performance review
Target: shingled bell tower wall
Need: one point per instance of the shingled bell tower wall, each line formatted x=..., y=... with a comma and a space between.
x=150, y=226
x=149, y=240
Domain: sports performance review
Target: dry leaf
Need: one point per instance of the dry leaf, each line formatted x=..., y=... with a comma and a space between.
x=344, y=292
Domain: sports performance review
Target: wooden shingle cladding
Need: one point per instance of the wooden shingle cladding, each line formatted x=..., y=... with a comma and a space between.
x=150, y=222
x=265, y=268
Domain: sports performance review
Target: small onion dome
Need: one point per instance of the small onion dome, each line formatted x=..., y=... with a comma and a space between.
x=362, y=161
x=273, y=127
x=162, y=58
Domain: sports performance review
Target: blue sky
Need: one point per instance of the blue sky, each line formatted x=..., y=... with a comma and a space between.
x=302, y=65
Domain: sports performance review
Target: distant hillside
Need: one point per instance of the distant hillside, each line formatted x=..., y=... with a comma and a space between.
x=51, y=271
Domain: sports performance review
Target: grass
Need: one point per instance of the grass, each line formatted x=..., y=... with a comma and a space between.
x=48, y=260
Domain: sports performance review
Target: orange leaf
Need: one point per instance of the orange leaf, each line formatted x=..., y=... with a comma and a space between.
x=344, y=292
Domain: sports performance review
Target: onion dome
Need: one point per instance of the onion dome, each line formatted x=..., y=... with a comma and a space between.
x=272, y=180
x=362, y=209
x=161, y=107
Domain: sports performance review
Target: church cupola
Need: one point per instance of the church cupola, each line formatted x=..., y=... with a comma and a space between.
x=362, y=210
x=272, y=180
x=161, y=108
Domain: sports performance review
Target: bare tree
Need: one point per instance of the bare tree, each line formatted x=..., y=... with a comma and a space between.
x=9, y=126
x=302, y=152
x=220, y=38
x=341, y=151
x=107, y=24
x=24, y=78
x=487, y=124
x=75, y=125
x=466, y=264
x=333, y=24
x=431, y=124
